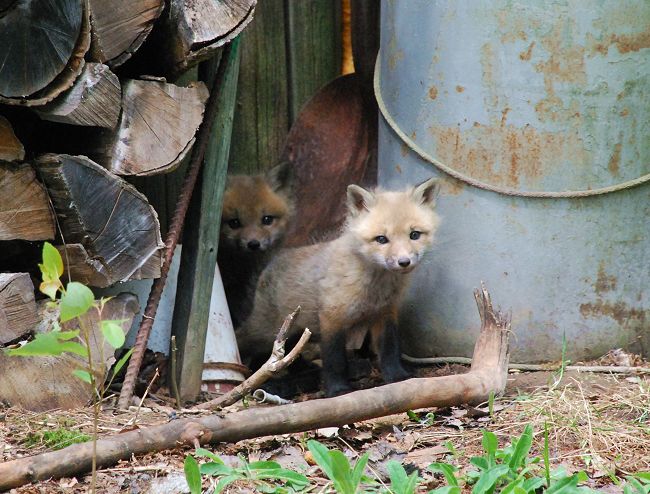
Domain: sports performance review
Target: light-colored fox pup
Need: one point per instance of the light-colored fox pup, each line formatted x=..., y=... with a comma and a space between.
x=256, y=212
x=356, y=280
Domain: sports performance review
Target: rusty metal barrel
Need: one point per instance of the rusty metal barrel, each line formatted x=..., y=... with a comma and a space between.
x=536, y=116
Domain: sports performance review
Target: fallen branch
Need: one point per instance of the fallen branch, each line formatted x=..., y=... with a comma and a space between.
x=614, y=369
x=276, y=362
x=488, y=375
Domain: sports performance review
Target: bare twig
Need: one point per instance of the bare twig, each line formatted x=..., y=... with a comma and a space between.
x=276, y=362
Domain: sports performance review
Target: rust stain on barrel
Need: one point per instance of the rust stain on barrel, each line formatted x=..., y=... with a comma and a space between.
x=615, y=160
x=433, y=92
x=619, y=311
x=505, y=154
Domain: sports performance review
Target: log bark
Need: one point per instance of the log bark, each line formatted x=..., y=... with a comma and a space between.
x=109, y=217
x=488, y=374
x=11, y=149
x=120, y=27
x=156, y=129
x=17, y=306
x=25, y=211
x=44, y=42
x=82, y=267
x=93, y=100
x=190, y=32
x=45, y=383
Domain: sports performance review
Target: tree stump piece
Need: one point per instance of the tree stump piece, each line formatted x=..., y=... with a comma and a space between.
x=17, y=306
x=116, y=225
x=156, y=130
x=24, y=208
x=119, y=27
x=93, y=100
x=191, y=31
x=85, y=269
x=44, y=383
x=11, y=149
x=43, y=46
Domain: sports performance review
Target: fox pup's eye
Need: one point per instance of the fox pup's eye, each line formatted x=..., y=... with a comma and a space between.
x=267, y=220
x=234, y=223
x=381, y=239
x=415, y=235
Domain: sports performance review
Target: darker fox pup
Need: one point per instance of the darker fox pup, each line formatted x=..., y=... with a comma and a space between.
x=356, y=280
x=256, y=212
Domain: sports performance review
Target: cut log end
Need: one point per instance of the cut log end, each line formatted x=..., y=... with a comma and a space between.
x=93, y=100
x=156, y=130
x=25, y=211
x=17, y=306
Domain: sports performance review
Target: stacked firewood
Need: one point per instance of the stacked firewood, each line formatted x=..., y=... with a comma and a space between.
x=85, y=104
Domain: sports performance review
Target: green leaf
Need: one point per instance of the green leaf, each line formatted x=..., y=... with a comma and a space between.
x=447, y=470
x=565, y=485
x=448, y=489
x=202, y=452
x=490, y=445
x=52, y=261
x=120, y=363
x=489, y=478
x=533, y=483
x=215, y=469
x=322, y=457
x=224, y=481
x=264, y=465
x=293, y=478
x=83, y=375
x=480, y=461
x=113, y=333
x=413, y=417
x=53, y=343
x=192, y=475
x=76, y=301
x=342, y=477
x=518, y=459
x=643, y=476
x=359, y=468
x=396, y=473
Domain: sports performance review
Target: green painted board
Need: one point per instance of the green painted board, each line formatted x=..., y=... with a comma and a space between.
x=201, y=238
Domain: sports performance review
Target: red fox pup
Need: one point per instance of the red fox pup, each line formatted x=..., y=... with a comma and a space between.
x=256, y=212
x=356, y=280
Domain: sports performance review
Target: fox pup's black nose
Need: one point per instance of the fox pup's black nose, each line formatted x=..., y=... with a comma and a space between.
x=404, y=262
x=253, y=244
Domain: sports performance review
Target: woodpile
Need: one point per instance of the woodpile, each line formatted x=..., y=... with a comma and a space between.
x=85, y=101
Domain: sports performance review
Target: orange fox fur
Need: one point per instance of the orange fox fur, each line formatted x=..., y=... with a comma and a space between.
x=355, y=280
x=256, y=212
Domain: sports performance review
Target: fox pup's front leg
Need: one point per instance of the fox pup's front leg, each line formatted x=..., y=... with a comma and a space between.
x=335, y=361
x=388, y=348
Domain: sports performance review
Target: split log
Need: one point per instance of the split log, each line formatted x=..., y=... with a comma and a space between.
x=44, y=43
x=190, y=32
x=85, y=269
x=109, y=217
x=156, y=130
x=488, y=374
x=25, y=211
x=93, y=100
x=120, y=27
x=45, y=383
x=17, y=306
x=11, y=149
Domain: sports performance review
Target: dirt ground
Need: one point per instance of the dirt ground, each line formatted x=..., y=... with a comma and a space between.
x=599, y=423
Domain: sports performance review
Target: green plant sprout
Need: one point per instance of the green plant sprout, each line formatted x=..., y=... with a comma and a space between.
x=74, y=301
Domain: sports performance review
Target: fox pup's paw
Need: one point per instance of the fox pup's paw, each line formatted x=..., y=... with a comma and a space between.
x=396, y=373
x=337, y=389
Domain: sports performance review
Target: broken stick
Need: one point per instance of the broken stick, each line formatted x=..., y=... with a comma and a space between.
x=276, y=362
x=488, y=375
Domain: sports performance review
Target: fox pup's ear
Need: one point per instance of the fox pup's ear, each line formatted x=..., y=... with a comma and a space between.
x=426, y=192
x=281, y=177
x=359, y=199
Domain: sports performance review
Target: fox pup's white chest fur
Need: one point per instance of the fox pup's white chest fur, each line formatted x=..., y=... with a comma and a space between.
x=357, y=279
